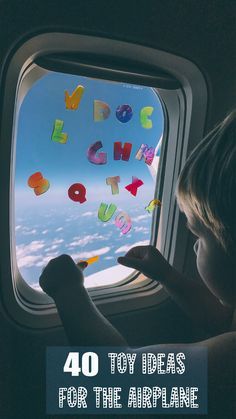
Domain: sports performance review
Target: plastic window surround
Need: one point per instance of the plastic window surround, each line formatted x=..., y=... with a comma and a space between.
x=186, y=110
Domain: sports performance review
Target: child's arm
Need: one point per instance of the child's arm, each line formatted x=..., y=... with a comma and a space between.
x=84, y=325
x=193, y=297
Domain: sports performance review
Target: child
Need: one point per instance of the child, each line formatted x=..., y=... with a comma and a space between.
x=206, y=193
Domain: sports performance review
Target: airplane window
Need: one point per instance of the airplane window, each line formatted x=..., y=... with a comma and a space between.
x=87, y=154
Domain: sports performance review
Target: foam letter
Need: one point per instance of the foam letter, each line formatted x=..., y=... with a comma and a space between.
x=77, y=193
x=124, y=113
x=147, y=153
x=152, y=204
x=105, y=214
x=113, y=181
x=101, y=110
x=58, y=136
x=123, y=221
x=38, y=183
x=132, y=187
x=73, y=101
x=101, y=158
x=144, y=114
x=122, y=152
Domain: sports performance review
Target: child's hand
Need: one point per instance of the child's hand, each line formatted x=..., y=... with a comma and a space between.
x=149, y=261
x=61, y=273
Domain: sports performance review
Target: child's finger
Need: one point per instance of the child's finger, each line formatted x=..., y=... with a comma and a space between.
x=137, y=252
x=131, y=262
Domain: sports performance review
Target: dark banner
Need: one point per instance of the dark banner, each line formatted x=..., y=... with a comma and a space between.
x=119, y=380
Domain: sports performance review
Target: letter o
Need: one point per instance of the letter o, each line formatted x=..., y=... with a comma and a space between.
x=124, y=113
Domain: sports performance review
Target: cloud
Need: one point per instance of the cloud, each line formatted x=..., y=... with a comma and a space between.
x=127, y=247
x=72, y=218
x=27, y=261
x=27, y=231
x=45, y=231
x=88, y=214
x=109, y=257
x=86, y=240
x=53, y=247
x=140, y=217
x=24, y=253
x=59, y=229
x=18, y=227
x=57, y=241
x=44, y=261
x=144, y=230
x=26, y=249
x=86, y=255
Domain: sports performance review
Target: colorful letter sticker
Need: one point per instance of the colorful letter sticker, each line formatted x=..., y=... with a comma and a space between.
x=152, y=204
x=73, y=101
x=105, y=213
x=101, y=158
x=144, y=117
x=58, y=136
x=133, y=187
x=38, y=183
x=101, y=111
x=77, y=192
x=113, y=181
x=122, y=152
x=147, y=153
x=124, y=113
x=123, y=221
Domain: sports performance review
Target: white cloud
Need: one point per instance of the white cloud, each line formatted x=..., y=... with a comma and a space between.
x=88, y=214
x=27, y=261
x=127, y=247
x=44, y=261
x=59, y=229
x=86, y=255
x=27, y=232
x=72, y=218
x=57, y=241
x=26, y=249
x=109, y=257
x=45, y=231
x=24, y=253
x=18, y=227
x=53, y=247
x=144, y=230
x=140, y=217
x=86, y=240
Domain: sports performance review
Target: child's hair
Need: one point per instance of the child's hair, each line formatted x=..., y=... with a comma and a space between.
x=207, y=183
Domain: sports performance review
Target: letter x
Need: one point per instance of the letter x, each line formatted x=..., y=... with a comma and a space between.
x=133, y=187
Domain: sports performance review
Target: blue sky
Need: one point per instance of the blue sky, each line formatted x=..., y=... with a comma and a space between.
x=65, y=164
